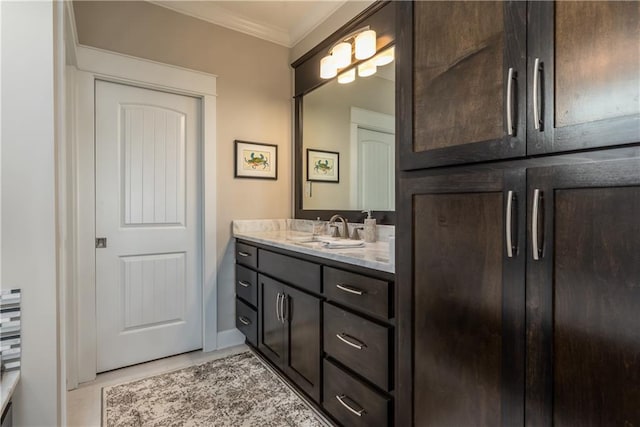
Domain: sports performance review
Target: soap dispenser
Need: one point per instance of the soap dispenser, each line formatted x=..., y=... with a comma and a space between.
x=369, y=227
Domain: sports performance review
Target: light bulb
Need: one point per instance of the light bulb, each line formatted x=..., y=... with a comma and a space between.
x=347, y=77
x=367, y=68
x=328, y=69
x=342, y=54
x=386, y=57
x=366, y=44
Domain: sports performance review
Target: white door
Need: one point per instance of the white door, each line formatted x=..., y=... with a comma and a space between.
x=376, y=170
x=148, y=277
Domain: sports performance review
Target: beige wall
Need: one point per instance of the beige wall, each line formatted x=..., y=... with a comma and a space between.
x=254, y=104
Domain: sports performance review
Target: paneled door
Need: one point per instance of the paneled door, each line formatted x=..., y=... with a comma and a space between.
x=584, y=68
x=271, y=325
x=148, y=251
x=461, y=309
x=583, y=295
x=464, y=63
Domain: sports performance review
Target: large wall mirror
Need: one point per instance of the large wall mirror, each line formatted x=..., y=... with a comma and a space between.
x=345, y=132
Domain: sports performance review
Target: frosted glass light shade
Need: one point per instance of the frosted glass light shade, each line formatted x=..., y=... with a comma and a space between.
x=347, y=77
x=367, y=68
x=386, y=57
x=342, y=54
x=366, y=44
x=328, y=69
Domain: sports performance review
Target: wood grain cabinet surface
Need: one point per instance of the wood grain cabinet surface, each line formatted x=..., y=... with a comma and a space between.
x=490, y=80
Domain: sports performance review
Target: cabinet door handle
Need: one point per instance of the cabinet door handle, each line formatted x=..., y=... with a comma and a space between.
x=536, y=80
x=244, y=254
x=349, y=289
x=511, y=197
x=510, y=129
x=282, y=307
x=244, y=320
x=537, y=252
x=278, y=307
x=341, y=397
x=244, y=284
x=357, y=344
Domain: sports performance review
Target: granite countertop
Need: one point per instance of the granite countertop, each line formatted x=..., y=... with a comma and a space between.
x=8, y=384
x=372, y=255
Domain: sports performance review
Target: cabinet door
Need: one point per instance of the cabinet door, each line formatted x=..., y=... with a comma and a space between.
x=302, y=364
x=461, y=72
x=585, y=59
x=465, y=288
x=583, y=296
x=271, y=325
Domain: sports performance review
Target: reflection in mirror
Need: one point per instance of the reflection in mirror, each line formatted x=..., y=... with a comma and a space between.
x=355, y=120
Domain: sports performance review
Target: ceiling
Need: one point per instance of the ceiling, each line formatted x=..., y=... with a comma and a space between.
x=281, y=22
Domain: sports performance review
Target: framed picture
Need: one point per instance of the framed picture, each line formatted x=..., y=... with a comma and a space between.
x=256, y=160
x=323, y=166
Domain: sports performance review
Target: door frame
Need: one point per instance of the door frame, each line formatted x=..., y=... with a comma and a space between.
x=93, y=64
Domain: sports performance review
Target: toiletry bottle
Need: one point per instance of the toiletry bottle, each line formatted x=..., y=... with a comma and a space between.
x=318, y=227
x=369, y=227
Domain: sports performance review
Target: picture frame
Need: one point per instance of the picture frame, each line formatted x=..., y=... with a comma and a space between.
x=255, y=160
x=323, y=166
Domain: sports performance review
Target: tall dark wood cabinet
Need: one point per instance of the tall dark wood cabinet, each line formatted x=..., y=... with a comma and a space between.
x=518, y=256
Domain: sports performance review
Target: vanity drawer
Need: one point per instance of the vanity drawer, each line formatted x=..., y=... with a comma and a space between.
x=371, y=296
x=246, y=255
x=303, y=274
x=247, y=321
x=359, y=344
x=344, y=397
x=247, y=285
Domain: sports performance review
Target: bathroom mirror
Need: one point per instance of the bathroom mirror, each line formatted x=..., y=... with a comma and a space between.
x=345, y=132
x=354, y=124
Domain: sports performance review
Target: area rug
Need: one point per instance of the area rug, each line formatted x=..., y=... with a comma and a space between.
x=233, y=391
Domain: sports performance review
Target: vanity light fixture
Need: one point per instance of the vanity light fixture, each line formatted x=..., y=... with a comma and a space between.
x=363, y=41
x=385, y=57
x=347, y=77
x=367, y=68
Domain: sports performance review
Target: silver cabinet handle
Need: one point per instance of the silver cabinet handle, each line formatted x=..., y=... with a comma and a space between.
x=536, y=78
x=244, y=254
x=282, y=307
x=349, y=289
x=358, y=344
x=244, y=320
x=508, y=224
x=510, y=130
x=243, y=283
x=534, y=225
x=278, y=307
x=340, y=398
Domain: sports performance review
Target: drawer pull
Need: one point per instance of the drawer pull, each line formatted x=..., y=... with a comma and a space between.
x=341, y=397
x=244, y=320
x=243, y=283
x=349, y=289
x=358, y=344
x=244, y=254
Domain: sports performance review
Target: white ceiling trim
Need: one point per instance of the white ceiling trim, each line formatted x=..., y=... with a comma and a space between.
x=232, y=21
x=311, y=22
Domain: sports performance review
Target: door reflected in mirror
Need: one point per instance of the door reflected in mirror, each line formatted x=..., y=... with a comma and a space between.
x=357, y=121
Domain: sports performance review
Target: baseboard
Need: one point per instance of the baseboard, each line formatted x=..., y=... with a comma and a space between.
x=229, y=338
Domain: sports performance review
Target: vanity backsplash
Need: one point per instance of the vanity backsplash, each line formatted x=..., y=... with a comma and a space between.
x=383, y=232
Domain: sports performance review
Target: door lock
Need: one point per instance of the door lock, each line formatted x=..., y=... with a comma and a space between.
x=101, y=242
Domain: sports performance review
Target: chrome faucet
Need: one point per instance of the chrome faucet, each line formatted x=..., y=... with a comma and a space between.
x=345, y=227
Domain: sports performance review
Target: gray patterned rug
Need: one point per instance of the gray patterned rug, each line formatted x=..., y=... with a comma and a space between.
x=233, y=391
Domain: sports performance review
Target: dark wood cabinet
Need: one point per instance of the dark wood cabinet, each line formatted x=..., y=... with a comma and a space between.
x=289, y=333
x=467, y=300
x=559, y=76
x=583, y=295
x=467, y=64
x=584, y=59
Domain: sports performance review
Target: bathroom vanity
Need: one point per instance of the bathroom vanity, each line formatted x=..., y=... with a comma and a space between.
x=324, y=318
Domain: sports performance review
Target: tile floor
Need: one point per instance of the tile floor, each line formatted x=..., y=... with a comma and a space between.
x=84, y=403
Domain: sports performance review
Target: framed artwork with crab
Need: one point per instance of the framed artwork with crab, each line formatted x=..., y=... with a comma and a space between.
x=323, y=166
x=256, y=160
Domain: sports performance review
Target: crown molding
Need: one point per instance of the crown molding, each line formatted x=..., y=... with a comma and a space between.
x=220, y=16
